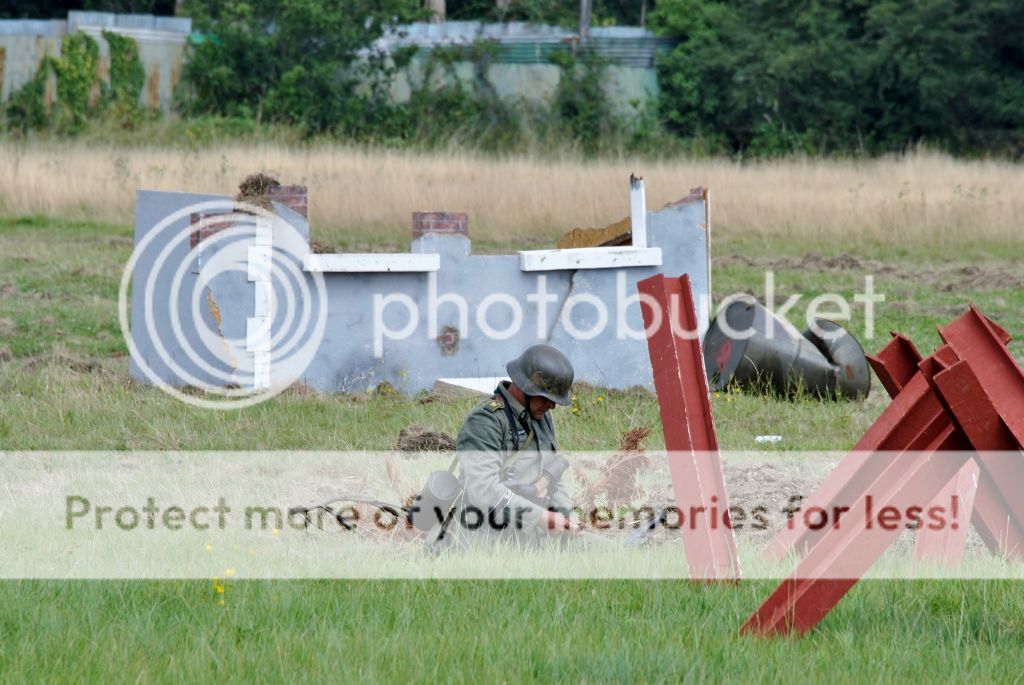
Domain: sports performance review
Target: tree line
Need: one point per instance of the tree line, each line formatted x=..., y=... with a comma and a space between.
x=746, y=77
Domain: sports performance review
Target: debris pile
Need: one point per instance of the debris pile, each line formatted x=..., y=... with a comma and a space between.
x=255, y=190
x=616, y=480
x=416, y=438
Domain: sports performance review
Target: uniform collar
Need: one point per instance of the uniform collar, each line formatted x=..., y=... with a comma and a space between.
x=518, y=409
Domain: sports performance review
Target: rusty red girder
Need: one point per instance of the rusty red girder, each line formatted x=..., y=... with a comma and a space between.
x=895, y=365
x=948, y=544
x=968, y=394
x=911, y=421
x=673, y=341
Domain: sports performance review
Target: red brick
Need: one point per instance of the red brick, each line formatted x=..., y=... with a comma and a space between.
x=445, y=223
x=293, y=197
x=199, y=235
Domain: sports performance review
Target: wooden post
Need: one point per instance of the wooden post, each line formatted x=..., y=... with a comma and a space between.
x=585, y=11
x=638, y=211
x=437, y=10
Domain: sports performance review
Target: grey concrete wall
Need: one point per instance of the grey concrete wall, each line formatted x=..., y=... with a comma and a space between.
x=345, y=360
x=162, y=55
x=22, y=55
x=537, y=82
x=162, y=49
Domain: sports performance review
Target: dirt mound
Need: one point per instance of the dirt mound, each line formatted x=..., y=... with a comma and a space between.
x=971, y=278
x=63, y=359
x=318, y=247
x=841, y=262
x=299, y=389
x=810, y=261
x=416, y=438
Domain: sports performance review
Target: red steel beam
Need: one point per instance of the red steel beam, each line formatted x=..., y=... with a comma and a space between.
x=847, y=551
x=843, y=552
x=980, y=343
x=973, y=379
x=670, y=322
x=999, y=507
x=894, y=366
x=993, y=418
x=896, y=363
x=948, y=544
x=913, y=410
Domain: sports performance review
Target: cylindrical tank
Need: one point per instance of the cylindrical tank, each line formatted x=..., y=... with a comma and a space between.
x=748, y=346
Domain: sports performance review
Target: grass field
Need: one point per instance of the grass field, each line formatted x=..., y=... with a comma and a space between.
x=363, y=200
x=64, y=385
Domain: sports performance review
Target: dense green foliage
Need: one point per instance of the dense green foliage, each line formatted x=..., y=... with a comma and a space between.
x=127, y=75
x=308, y=66
x=307, y=63
x=580, y=103
x=447, y=105
x=26, y=109
x=78, y=81
x=861, y=75
x=82, y=96
x=746, y=77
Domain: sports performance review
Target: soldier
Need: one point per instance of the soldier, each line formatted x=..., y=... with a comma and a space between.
x=508, y=453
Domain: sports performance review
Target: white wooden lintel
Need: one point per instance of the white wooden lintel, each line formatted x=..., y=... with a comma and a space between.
x=372, y=263
x=589, y=258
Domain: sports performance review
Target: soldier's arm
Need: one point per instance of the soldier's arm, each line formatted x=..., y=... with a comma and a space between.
x=480, y=457
x=560, y=499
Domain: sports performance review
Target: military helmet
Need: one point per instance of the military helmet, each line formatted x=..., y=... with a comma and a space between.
x=543, y=371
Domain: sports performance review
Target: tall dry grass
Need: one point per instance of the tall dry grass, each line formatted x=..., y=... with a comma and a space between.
x=368, y=195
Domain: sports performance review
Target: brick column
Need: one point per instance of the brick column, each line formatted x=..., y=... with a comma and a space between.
x=199, y=235
x=292, y=197
x=440, y=223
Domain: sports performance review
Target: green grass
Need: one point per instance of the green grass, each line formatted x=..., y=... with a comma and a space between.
x=537, y=631
x=67, y=387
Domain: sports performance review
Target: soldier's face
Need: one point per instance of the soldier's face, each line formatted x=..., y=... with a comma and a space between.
x=539, y=406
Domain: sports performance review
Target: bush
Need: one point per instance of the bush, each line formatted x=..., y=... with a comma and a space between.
x=303, y=63
x=873, y=76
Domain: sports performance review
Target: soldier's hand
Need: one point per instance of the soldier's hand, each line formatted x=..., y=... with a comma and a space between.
x=559, y=523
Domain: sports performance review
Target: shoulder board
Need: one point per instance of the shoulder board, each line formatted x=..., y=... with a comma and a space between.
x=494, y=405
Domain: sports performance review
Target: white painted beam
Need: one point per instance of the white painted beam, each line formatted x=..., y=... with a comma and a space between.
x=589, y=258
x=638, y=211
x=453, y=387
x=372, y=263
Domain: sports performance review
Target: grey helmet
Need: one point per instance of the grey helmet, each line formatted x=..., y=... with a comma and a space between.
x=543, y=371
